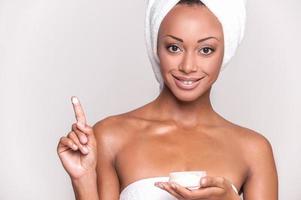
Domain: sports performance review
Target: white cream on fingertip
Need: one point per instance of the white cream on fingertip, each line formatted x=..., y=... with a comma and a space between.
x=74, y=100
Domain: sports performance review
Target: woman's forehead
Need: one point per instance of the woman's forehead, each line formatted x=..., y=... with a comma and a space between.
x=185, y=21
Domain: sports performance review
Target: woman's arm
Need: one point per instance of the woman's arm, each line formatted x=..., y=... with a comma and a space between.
x=262, y=180
x=107, y=138
x=85, y=188
x=102, y=183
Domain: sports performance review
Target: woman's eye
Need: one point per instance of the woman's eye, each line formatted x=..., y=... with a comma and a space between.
x=207, y=50
x=173, y=48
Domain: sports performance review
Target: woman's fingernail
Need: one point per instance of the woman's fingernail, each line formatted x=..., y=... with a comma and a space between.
x=85, y=149
x=84, y=139
x=203, y=181
x=158, y=184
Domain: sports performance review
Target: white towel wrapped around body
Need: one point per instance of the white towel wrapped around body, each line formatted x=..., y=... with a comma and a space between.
x=230, y=13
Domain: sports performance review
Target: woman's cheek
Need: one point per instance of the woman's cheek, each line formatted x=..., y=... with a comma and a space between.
x=169, y=62
x=210, y=66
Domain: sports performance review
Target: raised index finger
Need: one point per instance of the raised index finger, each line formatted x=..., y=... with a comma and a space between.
x=78, y=110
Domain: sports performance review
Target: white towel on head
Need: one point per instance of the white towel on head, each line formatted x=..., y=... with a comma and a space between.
x=230, y=13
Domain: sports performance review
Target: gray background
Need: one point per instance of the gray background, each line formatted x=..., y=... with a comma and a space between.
x=53, y=49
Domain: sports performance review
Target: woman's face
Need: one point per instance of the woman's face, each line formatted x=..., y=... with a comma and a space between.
x=190, y=47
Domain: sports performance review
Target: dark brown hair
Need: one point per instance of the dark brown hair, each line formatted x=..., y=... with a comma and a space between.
x=191, y=2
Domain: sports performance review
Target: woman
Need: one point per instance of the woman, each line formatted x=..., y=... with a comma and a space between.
x=129, y=156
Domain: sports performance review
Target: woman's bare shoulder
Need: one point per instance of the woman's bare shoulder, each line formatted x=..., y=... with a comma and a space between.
x=119, y=122
x=252, y=143
x=257, y=152
x=251, y=139
x=245, y=135
x=116, y=130
x=110, y=137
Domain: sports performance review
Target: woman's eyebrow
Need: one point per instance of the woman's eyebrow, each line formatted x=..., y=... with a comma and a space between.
x=200, y=40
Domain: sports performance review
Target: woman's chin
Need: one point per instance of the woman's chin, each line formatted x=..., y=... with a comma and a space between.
x=187, y=98
x=187, y=95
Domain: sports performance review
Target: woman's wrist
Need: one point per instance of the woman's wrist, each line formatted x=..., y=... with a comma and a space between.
x=87, y=177
x=85, y=187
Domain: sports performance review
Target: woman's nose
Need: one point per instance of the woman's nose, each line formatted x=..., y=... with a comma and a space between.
x=188, y=64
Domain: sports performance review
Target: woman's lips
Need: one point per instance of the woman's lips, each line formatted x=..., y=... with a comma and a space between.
x=187, y=84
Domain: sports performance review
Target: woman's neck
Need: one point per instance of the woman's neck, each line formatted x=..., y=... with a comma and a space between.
x=186, y=114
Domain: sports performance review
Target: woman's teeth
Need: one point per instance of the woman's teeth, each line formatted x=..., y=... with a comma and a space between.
x=187, y=82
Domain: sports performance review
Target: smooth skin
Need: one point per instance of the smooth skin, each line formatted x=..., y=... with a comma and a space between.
x=179, y=130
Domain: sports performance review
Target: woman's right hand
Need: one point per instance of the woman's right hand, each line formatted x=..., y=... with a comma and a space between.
x=72, y=149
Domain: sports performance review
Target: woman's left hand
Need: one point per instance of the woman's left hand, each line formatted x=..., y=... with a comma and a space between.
x=213, y=188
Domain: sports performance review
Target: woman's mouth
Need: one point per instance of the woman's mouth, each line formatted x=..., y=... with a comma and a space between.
x=187, y=83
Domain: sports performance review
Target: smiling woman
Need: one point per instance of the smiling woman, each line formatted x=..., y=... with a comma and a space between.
x=188, y=44
x=193, y=63
x=230, y=15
